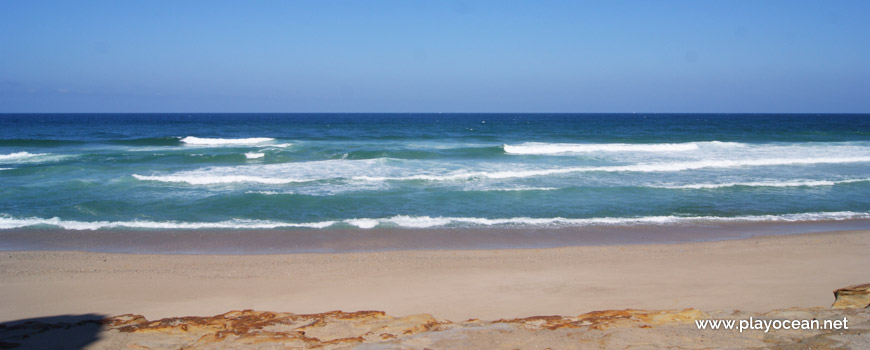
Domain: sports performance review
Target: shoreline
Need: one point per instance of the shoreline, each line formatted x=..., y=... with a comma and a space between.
x=754, y=274
x=329, y=241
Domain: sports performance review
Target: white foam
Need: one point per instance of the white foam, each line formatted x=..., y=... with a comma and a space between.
x=558, y=148
x=254, y=155
x=455, y=176
x=680, y=166
x=1, y=169
x=19, y=155
x=509, y=189
x=202, y=141
x=281, y=173
x=213, y=180
x=363, y=223
x=267, y=193
x=427, y=221
x=388, y=169
x=7, y=222
x=331, y=189
x=649, y=167
x=27, y=157
x=790, y=183
x=419, y=221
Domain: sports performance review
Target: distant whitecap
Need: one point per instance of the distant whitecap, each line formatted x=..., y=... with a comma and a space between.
x=192, y=140
x=558, y=148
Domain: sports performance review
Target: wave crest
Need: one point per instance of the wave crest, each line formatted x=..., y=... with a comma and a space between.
x=27, y=157
x=541, y=148
x=388, y=169
x=427, y=221
x=213, y=180
x=406, y=221
x=792, y=183
x=20, y=155
x=202, y=141
x=10, y=223
x=643, y=168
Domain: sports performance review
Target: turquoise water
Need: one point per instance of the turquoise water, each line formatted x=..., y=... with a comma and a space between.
x=361, y=171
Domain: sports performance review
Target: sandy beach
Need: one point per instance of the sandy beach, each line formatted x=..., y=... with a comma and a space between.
x=754, y=274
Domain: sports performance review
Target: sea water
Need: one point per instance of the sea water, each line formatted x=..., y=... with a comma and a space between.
x=364, y=171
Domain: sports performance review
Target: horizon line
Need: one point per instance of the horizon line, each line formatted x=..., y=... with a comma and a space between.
x=671, y=113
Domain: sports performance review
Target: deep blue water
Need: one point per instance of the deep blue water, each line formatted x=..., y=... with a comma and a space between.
x=89, y=171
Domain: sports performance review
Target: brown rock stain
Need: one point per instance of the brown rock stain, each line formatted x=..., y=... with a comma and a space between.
x=605, y=319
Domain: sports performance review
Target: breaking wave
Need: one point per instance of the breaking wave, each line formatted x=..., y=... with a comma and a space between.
x=652, y=167
x=425, y=222
x=387, y=169
x=201, y=141
x=210, y=180
x=20, y=155
x=557, y=148
x=27, y=157
x=791, y=183
x=10, y=223
x=510, y=189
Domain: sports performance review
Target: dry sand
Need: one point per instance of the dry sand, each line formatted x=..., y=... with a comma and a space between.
x=755, y=274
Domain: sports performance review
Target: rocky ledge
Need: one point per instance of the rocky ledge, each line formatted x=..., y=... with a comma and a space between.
x=615, y=329
x=852, y=297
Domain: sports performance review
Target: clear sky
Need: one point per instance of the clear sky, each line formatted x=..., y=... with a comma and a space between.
x=434, y=56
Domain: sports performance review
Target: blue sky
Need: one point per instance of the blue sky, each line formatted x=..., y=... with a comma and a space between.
x=428, y=56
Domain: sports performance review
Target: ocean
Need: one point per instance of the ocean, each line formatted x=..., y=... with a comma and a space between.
x=365, y=171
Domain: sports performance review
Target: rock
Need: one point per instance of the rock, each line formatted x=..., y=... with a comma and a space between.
x=337, y=330
x=605, y=319
x=852, y=297
x=248, y=328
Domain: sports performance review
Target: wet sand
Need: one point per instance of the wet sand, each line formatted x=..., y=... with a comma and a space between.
x=752, y=274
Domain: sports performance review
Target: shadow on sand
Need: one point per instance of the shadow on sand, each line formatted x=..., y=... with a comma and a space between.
x=55, y=332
